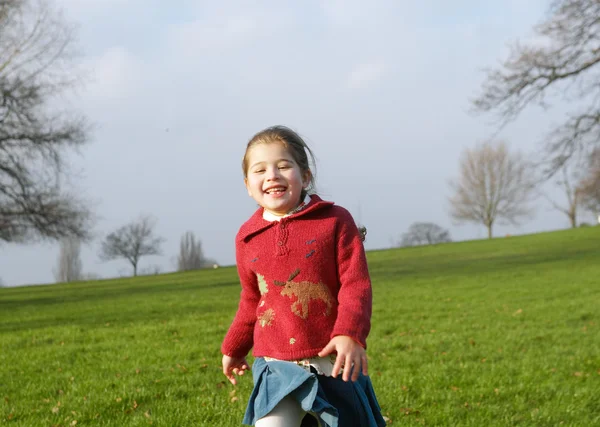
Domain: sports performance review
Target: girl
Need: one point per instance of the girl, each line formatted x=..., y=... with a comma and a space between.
x=305, y=304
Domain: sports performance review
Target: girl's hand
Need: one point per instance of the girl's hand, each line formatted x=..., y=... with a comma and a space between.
x=232, y=365
x=350, y=355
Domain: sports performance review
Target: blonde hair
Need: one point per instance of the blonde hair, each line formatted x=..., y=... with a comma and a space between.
x=294, y=144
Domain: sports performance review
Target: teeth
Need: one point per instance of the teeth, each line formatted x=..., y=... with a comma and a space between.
x=276, y=190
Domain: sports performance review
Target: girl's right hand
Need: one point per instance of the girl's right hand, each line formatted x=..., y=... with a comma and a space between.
x=232, y=365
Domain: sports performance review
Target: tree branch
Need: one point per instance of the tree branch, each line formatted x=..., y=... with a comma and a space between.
x=566, y=51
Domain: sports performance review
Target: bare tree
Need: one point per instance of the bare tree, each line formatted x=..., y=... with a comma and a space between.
x=569, y=185
x=562, y=59
x=191, y=256
x=36, y=66
x=69, y=267
x=131, y=242
x=493, y=185
x=424, y=233
x=190, y=253
x=589, y=186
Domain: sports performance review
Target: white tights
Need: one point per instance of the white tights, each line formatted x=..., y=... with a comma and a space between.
x=287, y=413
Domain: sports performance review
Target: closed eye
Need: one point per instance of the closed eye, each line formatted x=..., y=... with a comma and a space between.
x=284, y=165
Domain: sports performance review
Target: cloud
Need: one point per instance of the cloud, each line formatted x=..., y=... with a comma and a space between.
x=94, y=4
x=96, y=9
x=224, y=33
x=364, y=74
x=115, y=74
x=354, y=13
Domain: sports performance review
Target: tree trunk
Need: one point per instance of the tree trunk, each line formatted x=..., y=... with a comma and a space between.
x=573, y=219
x=489, y=228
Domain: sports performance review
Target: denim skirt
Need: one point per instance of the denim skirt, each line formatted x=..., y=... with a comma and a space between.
x=334, y=402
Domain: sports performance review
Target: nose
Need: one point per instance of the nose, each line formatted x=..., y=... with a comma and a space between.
x=272, y=174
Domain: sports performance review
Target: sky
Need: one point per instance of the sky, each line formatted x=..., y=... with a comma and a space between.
x=380, y=91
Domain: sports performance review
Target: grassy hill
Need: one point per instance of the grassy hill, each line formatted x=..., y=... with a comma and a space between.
x=501, y=332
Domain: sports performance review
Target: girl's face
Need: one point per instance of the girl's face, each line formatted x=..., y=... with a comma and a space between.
x=274, y=179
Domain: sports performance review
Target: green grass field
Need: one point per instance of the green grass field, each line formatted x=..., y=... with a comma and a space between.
x=502, y=332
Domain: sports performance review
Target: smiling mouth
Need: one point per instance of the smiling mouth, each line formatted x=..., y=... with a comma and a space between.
x=275, y=190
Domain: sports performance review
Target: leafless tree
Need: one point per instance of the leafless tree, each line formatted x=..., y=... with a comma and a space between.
x=561, y=60
x=568, y=183
x=590, y=184
x=36, y=66
x=190, y=253
x=424, y=233
x=131, y=242
x=69, y=268
x=493, y=185
x=191, y=256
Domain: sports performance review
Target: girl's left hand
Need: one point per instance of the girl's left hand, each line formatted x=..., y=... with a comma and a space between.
x=350, y=355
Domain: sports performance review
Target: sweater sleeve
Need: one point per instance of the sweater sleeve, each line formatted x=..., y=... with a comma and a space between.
x=239, y=338
x=355, y=294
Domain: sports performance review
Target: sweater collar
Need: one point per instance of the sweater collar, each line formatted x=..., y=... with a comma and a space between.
x=257, y=223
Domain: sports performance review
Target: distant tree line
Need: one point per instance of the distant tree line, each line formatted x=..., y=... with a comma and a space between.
x=131, y=242
x=424, y=233
x=498, y=186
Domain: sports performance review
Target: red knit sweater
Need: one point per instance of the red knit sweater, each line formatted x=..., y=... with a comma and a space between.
x=304, y=280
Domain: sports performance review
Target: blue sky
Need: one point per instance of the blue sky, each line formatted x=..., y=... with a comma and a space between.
x=379, y=89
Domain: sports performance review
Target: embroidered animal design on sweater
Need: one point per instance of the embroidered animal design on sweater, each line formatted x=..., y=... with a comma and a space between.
x=266, y=318
x=305, y=291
